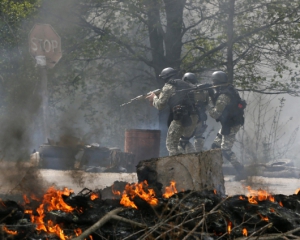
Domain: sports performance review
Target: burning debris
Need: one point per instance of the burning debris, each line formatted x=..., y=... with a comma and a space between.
x=138, y=212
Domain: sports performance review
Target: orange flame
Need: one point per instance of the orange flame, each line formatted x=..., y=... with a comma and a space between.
x=33, y=197
x=215, y=191
x=114, y=191
x=9, y=231
x=28, y=212
x=137, y=189
x=271, y=198
x=26, y=200
x=91, y=237
x=78, y=231
x=229, y=227
x=297, y=191
x=56, y=229
x=280, y=203
x=2, y=203
x=272, y=210
x=241, y=198
x=263, y=218
x=125, y=201
x=94, y=196
x=259, y=195
x=245, y=232
x=52, y=200
x=171, y=190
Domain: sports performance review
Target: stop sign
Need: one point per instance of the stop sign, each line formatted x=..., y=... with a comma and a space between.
x=44, y=41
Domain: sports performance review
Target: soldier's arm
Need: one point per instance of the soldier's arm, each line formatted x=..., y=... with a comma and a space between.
x=215, y=111
x=161, y=101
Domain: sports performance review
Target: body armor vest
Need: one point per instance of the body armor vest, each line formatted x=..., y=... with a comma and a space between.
x=233, y=114
x=181, y=97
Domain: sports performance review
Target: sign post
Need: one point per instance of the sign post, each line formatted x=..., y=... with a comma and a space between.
x=45, y=47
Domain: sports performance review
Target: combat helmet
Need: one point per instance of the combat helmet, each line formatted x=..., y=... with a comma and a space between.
x=219, y=77
x=167, y=73
x=190, y=77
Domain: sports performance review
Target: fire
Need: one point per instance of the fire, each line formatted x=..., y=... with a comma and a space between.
x=78, y=232
x=271, y=198
x=28, y=212
x=245, y=232
x=258, y=195
x=215, y=191
x=26, y=200
x=94, y=196
x=229, y=227
x=56, y=229
x=52, y=200
x=114, y=191
x=9, y=231
x=2, y=203
x=263, y=218
x=280, y=203
x=272, y=210
x=141, y=190
x=241, y=198
x=171, y=190
x=127, y=202
x=297, y=191
x=252, y=199
x=137, y=189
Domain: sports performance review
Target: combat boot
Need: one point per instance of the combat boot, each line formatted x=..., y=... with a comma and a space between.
x=241, y=173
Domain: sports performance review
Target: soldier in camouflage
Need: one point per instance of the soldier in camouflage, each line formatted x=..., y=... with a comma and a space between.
x=201, y=100
x=183, y=117
x=227, y=108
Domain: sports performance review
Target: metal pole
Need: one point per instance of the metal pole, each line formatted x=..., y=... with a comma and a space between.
x=41, y=62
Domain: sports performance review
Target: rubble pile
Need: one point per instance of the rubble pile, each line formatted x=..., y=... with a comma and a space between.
x=70, y=153
x=137, y=212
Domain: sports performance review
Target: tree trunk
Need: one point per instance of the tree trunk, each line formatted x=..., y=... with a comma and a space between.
x=156, y=36
x=194, y=171
x=230, y=32
x=173, y=43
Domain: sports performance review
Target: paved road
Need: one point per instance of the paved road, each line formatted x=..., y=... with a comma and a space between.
x=29, y=181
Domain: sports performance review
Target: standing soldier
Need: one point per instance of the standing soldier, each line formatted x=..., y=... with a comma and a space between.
x=183, y=115
x=201, y=100
x=227, y=107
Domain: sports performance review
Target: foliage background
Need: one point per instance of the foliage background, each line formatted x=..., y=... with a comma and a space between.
x=114, y=51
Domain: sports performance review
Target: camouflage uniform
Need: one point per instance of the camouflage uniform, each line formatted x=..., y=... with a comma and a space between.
x=176, y=129
x=225, y=142
x=198, y=140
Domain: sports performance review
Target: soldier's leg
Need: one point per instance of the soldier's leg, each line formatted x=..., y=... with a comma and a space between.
x=226, y=146
x=174, y=133
x=188, y=132
x=217, y=142
x=199, y=139
x=185, y=146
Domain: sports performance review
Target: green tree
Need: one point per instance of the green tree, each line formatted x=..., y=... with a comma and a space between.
x=110, y=46
x=18, y=103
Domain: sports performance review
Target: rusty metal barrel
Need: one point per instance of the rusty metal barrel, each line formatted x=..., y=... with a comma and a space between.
x=143, y=143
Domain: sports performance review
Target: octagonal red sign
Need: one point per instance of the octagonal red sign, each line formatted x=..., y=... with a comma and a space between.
x=44, y=41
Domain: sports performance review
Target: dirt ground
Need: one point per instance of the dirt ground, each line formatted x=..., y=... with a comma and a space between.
x=13, y=181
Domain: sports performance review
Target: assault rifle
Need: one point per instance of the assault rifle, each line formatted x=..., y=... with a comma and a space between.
x=205, y=86
x=156, y=92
